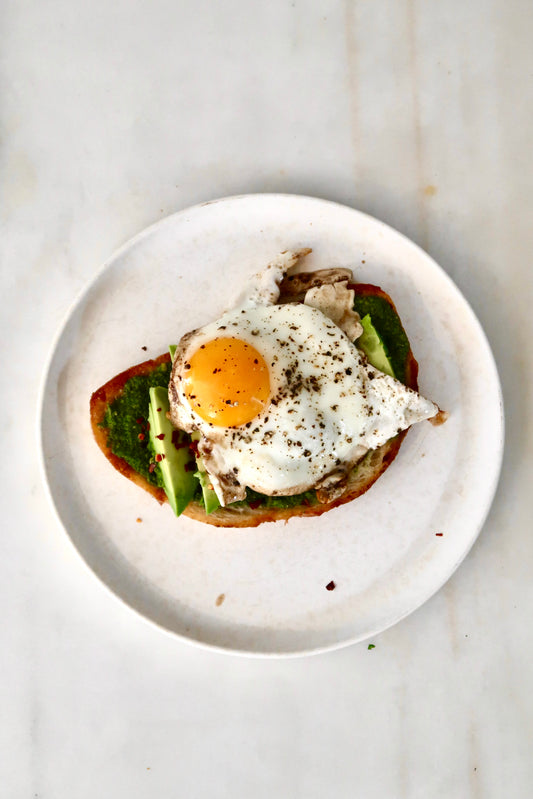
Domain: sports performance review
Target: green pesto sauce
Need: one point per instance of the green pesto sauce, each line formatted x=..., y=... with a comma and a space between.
x=390, y=330
x=263, y=501
x=308, y=497
x=121, y=421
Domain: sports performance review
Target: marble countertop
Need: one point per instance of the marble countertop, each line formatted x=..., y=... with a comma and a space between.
x=114, y=115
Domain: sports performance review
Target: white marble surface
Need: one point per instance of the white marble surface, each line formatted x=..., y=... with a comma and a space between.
x=115, y=114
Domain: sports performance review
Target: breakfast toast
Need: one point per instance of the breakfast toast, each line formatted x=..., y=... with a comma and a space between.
x=258, y=509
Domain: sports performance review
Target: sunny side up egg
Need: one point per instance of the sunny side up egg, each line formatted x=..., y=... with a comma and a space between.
x=282, y=398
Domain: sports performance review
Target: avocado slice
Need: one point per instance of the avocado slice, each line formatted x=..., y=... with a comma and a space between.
x=211, y=500
x=171, y=444
x=373, y=347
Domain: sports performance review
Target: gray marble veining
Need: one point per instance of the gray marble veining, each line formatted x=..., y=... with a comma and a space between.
x=114, y=115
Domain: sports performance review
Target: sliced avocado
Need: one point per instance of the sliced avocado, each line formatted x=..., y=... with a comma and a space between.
x=387, y=322
x=172, y=349
x=211, y=500
x=374, y=349
x=171, y=445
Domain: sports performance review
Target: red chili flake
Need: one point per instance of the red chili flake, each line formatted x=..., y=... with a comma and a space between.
x=147, y=426
x=138, y=519
x=151, y=468
x=159, y=457
x=176, y=440
x=439, y=533
x=140, y=420
x=144, y=348
x=194, y=447
x=161, y=436
x=190, y=466
x=255, y=503
x=141, y=436
x=330, y=586
x=158, y=409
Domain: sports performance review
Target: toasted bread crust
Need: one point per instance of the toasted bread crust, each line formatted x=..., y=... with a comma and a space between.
x=362, y=477
x=103, y=397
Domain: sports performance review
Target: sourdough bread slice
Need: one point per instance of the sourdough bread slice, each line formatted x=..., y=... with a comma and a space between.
x=360, y=479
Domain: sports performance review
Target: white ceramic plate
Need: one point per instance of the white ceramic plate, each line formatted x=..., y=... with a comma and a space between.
x=382, y=551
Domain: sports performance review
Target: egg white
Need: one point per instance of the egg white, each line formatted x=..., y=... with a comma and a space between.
x=327, y=406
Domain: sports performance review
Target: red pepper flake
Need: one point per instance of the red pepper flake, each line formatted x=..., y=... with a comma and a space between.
x=161, y=436
x=190, y=466
x=138, y=519
x=141, y=436
x=151, y=468
x=193, y=445
x=140, y=420
x=147, y=426
x=158, y=409
x=439, y=533
x=330, y=586
x=177, y=442
x=159, y=457
x=254, y=504
x=144, y=348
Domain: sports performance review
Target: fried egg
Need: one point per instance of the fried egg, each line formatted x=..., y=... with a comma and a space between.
x=281, y=396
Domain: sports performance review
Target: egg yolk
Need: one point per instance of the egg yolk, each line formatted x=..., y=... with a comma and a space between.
x=227, y=382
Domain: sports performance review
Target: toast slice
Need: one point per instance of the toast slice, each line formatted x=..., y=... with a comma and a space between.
x=360, y=479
